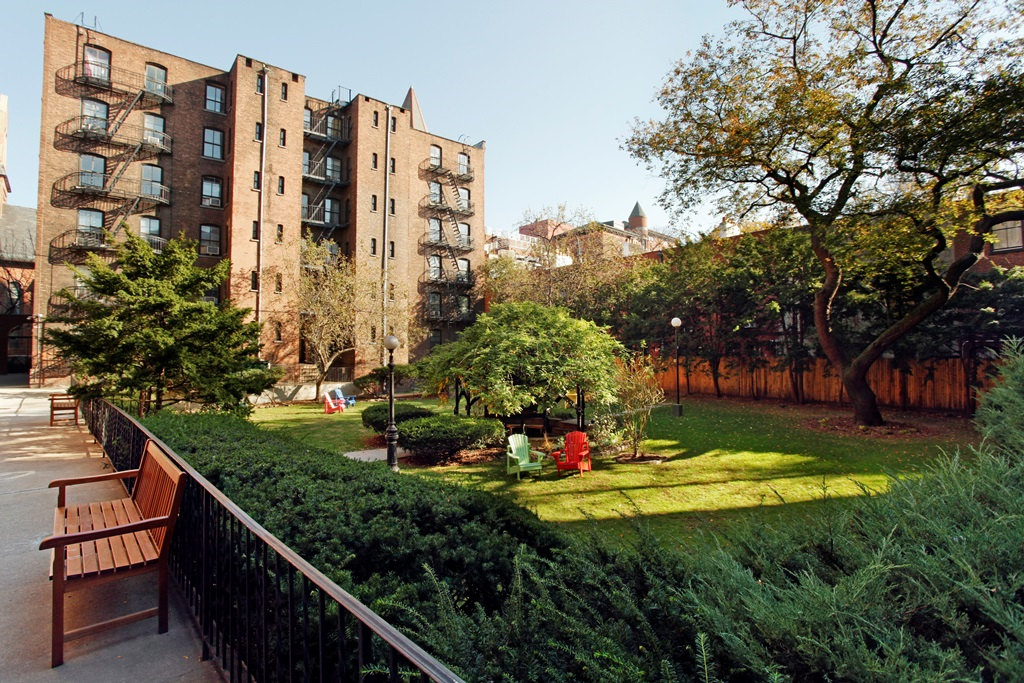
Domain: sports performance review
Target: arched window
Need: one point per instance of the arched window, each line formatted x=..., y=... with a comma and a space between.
x=156, y=79
x=93, y=169
x=463, y=235
x=463, y=164
x=96, y=63
x=434, y=228
x=94, y=115
x=435, y=155
x=152, y=181
x=278, y=283
x=434, y=266
x=464, y=198
x=434, y=305
x=463, y=275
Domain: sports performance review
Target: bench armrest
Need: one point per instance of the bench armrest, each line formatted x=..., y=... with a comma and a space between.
x=61, y=540
x=62, y=484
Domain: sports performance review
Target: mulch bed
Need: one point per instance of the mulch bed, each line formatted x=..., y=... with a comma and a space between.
x=461, y=458
x=905, y=431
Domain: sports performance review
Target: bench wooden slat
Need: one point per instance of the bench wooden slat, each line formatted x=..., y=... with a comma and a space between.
x=157, y=495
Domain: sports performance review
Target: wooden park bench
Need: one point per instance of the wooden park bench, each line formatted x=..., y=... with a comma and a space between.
x=94, y=543
x=63, y=408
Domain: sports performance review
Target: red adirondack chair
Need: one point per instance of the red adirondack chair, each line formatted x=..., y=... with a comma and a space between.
x=331, y=406
x=575, y=455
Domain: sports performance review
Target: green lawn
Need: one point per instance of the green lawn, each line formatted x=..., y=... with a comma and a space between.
x=722, y=459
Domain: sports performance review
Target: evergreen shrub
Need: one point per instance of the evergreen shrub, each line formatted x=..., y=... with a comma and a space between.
x=439, y=437
x=375, y=417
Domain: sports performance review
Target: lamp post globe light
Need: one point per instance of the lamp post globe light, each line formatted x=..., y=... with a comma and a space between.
x=676, y=323
x=391, y=342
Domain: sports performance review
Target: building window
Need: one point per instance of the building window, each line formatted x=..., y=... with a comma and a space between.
x=209, y=240
x=463, y=305
x=391, y=250
x=92, y=169
x=259, y=83
x=391, y=206
x=90, y=221
x=278, y=284
x=334, y=126
x=434, y=305
x=213, y=143
x=463, y=274
x=152, y=181
x=255, y=180
x=394, y=124
x=215, y=98
x=258, y=135
x=254, y=281
x=435, y=193
x=307, y=119
x=96, y=63
x=213, y=192
x=212, y=296
x=463, y=235
x=463, y=164
x=279, y=237
x=435, y=338
x=373, y=333
x=1008, y=236
x=153, y=129
x=149, y=226
x=280, y=184
x=305, y=206
x=373, y=202
x=373, y=160
x=464, y=199
x=434, y=229
x=376, y=119
x=284, y=91
x=435, y=155
x=283, y=139
x=333, y=168
x=434, y=266
x=373, y=246
x=94, y=115
x=305, y=163
x=156, y=79
x=348, y=210
x=332, y=207
x=391, y=165
x=255, y=230
x=277, y=332
x=391, y=291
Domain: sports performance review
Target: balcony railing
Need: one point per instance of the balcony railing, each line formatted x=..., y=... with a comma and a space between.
x=460, y=243
x=263, y=611
x=318, y=172
x=98, y=79
x=462, y=278
x=318, y=216
x=438, y=203
x=318, y=128
x=93, y=130
x=104, y=186
x=436, y=166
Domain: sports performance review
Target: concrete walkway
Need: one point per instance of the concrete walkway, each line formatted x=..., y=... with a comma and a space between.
x=31, y=455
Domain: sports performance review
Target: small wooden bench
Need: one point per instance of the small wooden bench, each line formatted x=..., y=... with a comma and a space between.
x=98, y=542
x=63, y=408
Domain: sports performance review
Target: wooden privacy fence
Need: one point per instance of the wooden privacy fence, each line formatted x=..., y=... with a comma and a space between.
x=938, y=384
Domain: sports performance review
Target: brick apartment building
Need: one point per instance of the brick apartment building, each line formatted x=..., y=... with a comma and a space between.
x=243, y=161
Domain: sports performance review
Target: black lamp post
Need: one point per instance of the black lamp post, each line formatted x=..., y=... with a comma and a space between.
x=676, y=322
x=391, y=342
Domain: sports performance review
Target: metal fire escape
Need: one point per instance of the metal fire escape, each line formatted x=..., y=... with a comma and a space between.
x=119, y=143
x=328, y=129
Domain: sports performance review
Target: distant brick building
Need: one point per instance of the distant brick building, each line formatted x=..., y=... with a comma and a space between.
x=1007, y=250
x=243, y=161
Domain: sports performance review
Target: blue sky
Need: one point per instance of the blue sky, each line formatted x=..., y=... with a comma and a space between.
x=551, y=86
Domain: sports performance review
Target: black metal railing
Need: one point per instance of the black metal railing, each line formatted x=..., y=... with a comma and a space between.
x=262, y=610
x=96, y=78
x=95, y=130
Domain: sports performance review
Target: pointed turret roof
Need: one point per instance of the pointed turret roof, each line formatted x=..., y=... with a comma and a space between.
x=638, y=212
x=412, y=104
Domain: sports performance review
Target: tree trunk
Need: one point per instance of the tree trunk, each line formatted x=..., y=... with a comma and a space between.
x=862, y=398
x=714, y=365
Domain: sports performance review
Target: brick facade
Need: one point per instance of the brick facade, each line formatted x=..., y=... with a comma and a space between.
x=263, y=127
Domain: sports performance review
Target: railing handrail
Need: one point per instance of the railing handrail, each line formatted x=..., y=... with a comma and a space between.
x=125, y=134
x=115, y=78
x=412, y=652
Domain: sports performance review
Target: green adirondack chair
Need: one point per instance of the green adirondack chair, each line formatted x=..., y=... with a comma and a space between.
x=519, y=453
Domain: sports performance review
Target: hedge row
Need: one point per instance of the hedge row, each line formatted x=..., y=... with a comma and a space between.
x=921, y=583
x=375, y=417
x=439, y=437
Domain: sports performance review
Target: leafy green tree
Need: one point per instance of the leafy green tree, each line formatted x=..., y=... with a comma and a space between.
x=883, y=125
x=523, y=354
x=140, y=330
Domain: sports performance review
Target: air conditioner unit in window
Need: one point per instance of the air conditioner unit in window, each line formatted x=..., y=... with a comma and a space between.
x=212, y=201
x=210, y=299
x=209, y=250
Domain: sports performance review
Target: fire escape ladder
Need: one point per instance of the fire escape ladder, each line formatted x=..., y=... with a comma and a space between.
x=127, y=209
x=122, y=115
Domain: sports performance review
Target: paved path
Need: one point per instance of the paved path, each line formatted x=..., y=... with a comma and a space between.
x=31, y=455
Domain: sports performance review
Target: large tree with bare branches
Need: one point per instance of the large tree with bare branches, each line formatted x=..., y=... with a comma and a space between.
x=880, y=126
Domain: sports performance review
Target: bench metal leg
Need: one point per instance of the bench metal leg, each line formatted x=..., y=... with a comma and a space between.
x=57, y=625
